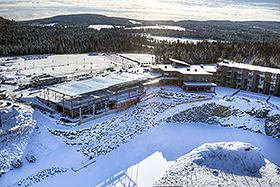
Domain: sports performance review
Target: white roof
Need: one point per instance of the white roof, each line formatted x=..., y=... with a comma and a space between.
x=193, y=70
x=74, y=88
x=179, y=62
x=154, y=67
x=170, y=78
x=167, y=67
x=151, y=82
x=199, y=84
x=251, y=67
x=212, y=68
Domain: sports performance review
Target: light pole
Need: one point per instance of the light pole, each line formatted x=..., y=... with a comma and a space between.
x=90, y=67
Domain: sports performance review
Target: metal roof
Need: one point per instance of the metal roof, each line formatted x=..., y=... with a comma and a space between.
x=75, y=88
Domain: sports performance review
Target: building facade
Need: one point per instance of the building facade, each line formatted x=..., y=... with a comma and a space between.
x=249, y=77
x=188, y=77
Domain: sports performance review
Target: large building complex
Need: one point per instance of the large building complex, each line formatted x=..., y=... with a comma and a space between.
x=249, y=77
x=102, y=93
x=189, y=77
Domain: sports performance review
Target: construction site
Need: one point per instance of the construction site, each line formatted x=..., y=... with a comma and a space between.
x=95, y=96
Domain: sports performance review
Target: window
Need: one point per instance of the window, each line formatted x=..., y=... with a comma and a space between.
x=198, y=79
x=190, y=79
x=204, y=79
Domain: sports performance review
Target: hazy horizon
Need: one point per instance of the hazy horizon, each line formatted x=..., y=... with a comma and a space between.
x=233, y=10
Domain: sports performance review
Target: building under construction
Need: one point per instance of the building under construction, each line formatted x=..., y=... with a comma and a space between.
x=94, y=96
x=46, y=80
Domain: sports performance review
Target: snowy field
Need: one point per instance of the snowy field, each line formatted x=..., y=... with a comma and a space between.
x=147, y=144
x=99, y=27
x=21, y=69
x=159, y=27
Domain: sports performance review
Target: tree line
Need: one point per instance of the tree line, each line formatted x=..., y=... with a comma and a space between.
x=257, y=53
x=16, y=40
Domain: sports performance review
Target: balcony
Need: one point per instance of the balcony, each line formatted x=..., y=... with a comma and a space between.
x=239, y=77
x=272, y=89
x=260, y=86
x=229, y=70
x=262, y=75
x=251, y=73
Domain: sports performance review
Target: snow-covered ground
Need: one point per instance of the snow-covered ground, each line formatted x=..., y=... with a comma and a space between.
x=99, y=27
x=173, y=39
x=160, y=27
x=222, y=164
x=137, y=146
x=21, y=69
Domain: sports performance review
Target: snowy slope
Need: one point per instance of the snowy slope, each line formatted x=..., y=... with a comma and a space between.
x=222, y=164
x=17, y=127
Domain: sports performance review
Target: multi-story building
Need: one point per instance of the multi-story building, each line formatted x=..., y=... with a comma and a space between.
x=249, y=77
x=189, y=77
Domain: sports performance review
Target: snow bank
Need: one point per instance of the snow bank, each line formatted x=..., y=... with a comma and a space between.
x=41, y=175
x=220, y=160
x=17, y=127
x=238, y=112
x=104, y=137
x=231, y=157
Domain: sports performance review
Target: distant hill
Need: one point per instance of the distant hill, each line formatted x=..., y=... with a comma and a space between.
x=5, y=24
x=79, y=20
x=84, y=20
x=263, y=27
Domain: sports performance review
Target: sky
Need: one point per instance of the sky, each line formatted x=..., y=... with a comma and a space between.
x=234, y=10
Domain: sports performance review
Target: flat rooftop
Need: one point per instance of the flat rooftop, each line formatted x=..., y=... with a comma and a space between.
x=250, y=67
x=75, y=88
x=192, y=70
x=179, y=62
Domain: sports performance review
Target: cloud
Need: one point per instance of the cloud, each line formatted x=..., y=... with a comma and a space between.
x=146, y=9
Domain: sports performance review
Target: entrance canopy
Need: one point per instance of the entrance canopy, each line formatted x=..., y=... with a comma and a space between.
x=199, y=84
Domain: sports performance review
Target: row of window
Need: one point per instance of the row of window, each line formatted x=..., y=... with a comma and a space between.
x=189, y=78
x=197, y=79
